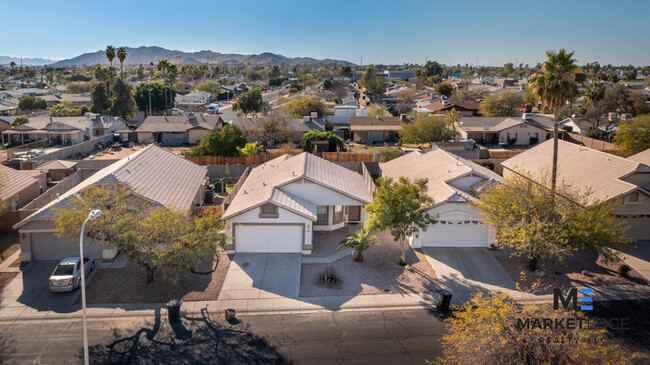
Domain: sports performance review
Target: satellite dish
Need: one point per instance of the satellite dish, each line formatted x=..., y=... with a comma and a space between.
x=486, y=128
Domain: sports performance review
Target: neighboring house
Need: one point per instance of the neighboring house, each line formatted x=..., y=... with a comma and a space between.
x=376, y=129
x=194, y=99
x=296, y=127
x=76, y=99
x=398, y=75
x=641, y=157
x=63, y=130
x=5, y=123
x=9, y=107
x=178, y=129
x=282, y=202
x=444, y=106
x=154, y=174
x=453, y=183
x=58, y=170
x=17, y=188
x=609, y=178
x=526, y=130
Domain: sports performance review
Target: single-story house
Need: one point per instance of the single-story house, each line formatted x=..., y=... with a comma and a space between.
x=445, y=106
x=282, y=202
x=453, y=184
x=153, y=173
x=609, y=178
x=527, y=130
x=63, y=130
x=8, y=107
x=296, y=127
x=178, y=129
x=76, y=99
x=5, y=123
x=376, y=129
x=193, y=100
x=17, y=189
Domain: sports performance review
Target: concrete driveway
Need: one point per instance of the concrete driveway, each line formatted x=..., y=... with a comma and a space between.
x=639, y=258
x=260, y=275
x=465, y=271
x=30, y=289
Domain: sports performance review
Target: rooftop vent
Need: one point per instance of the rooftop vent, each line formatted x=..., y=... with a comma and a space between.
x=446, y=102
x=527, y=116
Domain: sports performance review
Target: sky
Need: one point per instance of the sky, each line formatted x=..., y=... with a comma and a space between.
x=389, y=32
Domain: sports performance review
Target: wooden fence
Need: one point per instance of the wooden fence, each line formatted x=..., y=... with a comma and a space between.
x=592, y=143
x=503, y=154
x=260, y=159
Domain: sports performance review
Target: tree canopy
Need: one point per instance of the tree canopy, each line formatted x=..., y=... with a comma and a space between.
x=250, y=102
x=431, y=128
x=374, y=84
x=445, y=90
x=31, y=103
x=335, y=142
x=402, y=208
x=122, y=102
x=224, y=142
x=99, y=99
x=503, y=104
x=304, y=106
x=159, y=94
x=633, y=136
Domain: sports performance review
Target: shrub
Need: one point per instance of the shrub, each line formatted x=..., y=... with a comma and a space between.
x=623, y=270
x=390, y=154
x=489, y=165
x=334, y=140
x=329, y=277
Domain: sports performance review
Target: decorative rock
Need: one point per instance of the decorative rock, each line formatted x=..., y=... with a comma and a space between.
x=540, y=273
x=586, y=273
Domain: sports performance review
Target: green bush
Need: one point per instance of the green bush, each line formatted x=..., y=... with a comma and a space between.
x=623, y=270
x=334, y=140
x=390, y=154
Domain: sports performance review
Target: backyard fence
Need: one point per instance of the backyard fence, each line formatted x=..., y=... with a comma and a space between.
x=503, y=154
x=592, y=143
x=77, y=150
x=260, y=159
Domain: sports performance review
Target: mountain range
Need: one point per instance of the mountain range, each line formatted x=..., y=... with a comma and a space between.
x=145, y=55
x=6, y=60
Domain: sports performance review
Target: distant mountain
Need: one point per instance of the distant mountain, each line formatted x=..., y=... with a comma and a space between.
x=144, y=55
x=6, y=60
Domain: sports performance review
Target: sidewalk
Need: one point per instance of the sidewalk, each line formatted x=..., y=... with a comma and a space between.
x=269, y=306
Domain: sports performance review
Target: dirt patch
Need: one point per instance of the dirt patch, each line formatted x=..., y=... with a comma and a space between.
x=129, y=285
x=6, y=278
x=9, y=244
x=569, y=273
x=378, y=274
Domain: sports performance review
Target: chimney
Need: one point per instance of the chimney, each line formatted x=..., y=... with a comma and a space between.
x=314, y=115
x=527, y=116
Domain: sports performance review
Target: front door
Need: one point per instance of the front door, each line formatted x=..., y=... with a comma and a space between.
x=354, y=213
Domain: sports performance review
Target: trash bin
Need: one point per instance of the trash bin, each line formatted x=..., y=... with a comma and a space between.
x=230, y=314
x=445, y=300
x=174, y=310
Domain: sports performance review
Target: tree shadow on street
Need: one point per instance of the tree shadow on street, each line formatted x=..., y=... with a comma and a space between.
x=195, y=340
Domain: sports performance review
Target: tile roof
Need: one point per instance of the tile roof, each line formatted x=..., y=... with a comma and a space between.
x=439, y=106
x=580, y=168
x=57, y=165
x=496, y=124
x=440, y=168
x=374, y=121
x=293, y=124
x=154, y=173
x=642, y=157
x=41, y=123
x=13, y=182
x=180, y=123
x=264, y=184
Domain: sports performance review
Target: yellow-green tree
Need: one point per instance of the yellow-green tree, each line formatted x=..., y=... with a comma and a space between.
x=486, y=330
x=633, y=136
x=378, y=110
x=503, y=104
x=539, y=223
x=431, y=128
x=151, y=236
x=304, y=106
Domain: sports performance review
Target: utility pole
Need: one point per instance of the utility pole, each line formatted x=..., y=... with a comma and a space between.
x=361, y=62
x=150, y=102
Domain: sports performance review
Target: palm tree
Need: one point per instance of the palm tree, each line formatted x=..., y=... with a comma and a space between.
x=172, y=72
x=595, y=93
x=556, y=83
x=110, y=54
x=121, y=55
x=359, y=242
x=162, y=67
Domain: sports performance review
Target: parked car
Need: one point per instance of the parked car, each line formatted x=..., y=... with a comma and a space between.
x=67, y=273
x=176, y=111
x=213, y=109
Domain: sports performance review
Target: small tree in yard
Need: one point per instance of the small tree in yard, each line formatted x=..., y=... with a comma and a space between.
x=402, y=208
x=335, y=142
x=153, y=237
x=486, y=331
x=359, y=241
x=535, y=222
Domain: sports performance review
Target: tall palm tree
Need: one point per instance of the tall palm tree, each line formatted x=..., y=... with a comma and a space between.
x=556, y=83
x=172, y=73
x=595, y=93
x=162, y=66
x=359, y=242
x=121, y=55
x=110, y=54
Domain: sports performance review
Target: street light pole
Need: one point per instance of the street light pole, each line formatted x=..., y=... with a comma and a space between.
x=93, y=214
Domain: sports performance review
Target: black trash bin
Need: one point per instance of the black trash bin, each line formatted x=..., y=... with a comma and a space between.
x=174, y=310
x=445, y=300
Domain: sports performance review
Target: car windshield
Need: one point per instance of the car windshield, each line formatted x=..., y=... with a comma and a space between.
x=65, y=269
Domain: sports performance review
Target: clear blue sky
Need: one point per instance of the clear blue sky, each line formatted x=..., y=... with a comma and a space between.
x=381, y=31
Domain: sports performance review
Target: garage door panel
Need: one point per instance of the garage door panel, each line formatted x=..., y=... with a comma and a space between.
x=269, y=238
x=456, y=229
x=47, y=246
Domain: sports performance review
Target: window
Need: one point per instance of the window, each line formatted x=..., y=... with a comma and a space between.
x=14, y=203
x=321, y=214
x=268, y=211
x=338, y=214
x=633, y=197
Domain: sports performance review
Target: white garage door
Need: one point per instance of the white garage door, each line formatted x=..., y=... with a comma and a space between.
x=456, y=230
x=269, y=238
x=47, y=246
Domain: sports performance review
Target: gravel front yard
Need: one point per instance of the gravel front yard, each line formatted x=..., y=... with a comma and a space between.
x=569, y=273
x=9, y=244
x=378, y=274
x=129, y=285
